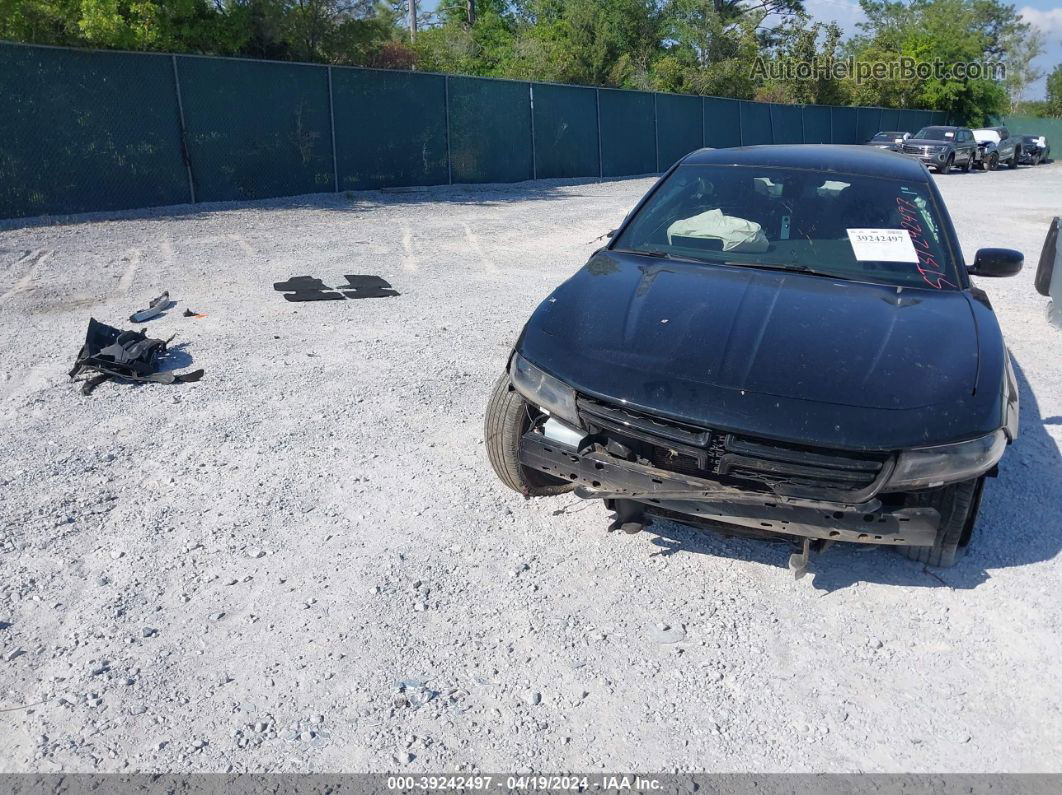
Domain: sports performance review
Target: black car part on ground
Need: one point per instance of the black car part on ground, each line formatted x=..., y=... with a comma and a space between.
x=310, y=288
x=155, y=308
x=109, y=352
x=306, y=288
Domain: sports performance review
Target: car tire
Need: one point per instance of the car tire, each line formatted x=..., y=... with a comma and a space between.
x=1013, y=160
x=966, y=166
x=958, y=505
x=508, y=418
x=1036, y=159
x=993, y=161
x=946, y=168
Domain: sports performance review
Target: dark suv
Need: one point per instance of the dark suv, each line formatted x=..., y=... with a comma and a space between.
x=943, y=147
x=781, y=339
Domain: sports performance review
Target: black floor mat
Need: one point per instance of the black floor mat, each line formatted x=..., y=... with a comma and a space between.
x=306, y=288
x=366, y=287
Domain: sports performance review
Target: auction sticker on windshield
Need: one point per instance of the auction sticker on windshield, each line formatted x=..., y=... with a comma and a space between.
x=882, y=245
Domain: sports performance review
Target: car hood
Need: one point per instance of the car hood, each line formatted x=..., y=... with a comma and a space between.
x=708, y=343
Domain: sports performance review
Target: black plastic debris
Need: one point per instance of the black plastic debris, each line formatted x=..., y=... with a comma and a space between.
x=109, y=352
x=192, y=313
x=366, y=287
x=309, y=288
x=155, y=308
x=306, y=288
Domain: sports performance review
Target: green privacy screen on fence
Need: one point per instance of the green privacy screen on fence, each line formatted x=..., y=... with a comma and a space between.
x=256, y=129
x=83, y=131
x=390, y=129
x=490, y=130
x=628, y=132
x=679, y=128
x=565, y=121
x=722, y=122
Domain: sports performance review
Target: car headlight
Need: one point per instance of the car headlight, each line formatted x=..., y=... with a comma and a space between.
x=933, y=466
x=543, y=390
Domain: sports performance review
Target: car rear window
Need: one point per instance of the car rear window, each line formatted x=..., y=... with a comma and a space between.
x=850, y=226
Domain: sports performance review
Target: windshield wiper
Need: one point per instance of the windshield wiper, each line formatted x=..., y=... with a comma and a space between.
x=659, y=255
x=771, y=266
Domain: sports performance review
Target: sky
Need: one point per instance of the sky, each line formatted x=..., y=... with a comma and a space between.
x=1043, y=14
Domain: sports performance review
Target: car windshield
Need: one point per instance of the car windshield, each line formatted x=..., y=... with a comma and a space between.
x=936, y=134
x=890, y=137
x=842, y=225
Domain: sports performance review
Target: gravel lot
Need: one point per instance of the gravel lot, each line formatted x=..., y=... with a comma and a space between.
x=237, y=574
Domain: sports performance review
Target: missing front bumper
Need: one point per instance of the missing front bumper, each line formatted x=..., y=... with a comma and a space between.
x=599, y=476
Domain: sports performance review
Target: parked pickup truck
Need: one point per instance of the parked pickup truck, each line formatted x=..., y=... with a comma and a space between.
x=996, y=146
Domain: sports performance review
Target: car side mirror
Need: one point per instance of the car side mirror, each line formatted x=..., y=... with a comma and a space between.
x=997, y=262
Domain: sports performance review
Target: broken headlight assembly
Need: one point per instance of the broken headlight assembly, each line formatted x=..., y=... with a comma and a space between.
x=926, y=467
x=543, y=390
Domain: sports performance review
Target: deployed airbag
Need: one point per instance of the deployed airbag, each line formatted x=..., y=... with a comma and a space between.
x=736, y=234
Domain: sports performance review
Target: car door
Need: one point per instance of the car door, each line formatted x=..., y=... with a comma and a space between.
x=964, y=146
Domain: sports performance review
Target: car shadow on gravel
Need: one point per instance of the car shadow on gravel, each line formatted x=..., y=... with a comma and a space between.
x=1019, y=524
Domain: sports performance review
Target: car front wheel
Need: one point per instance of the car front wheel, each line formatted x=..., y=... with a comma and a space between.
x=509, y=417
x=958, y=505
x=993, y=161
x=946, y=168
x=1013, y=161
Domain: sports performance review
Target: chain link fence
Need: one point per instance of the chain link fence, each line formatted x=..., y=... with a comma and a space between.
x=87, y=131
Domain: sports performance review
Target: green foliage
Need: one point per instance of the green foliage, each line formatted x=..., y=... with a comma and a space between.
x=946, y=31
x=1053, y=105
x=682, y=46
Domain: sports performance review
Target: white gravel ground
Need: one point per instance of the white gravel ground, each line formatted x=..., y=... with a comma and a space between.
x=236, y=574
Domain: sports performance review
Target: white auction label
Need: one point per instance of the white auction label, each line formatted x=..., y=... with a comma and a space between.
x=882, y=245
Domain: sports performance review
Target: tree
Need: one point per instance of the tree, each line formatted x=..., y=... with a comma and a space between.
x=1022, y=47
x=1054, y=92
x=947, y=32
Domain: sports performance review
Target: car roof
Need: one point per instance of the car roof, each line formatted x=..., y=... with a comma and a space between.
x=836, y=158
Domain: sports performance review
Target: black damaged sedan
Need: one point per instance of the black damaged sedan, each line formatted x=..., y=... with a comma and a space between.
x=777, y=341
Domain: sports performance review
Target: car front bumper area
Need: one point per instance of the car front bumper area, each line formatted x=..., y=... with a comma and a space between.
x=598, y=475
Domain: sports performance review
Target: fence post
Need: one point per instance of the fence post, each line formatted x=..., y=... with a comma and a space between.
x=449, y=160
x=600, y=162
x=656, y=133
x=534, y=162
x=184, y=133
x=704, y=131
x=741, y=137
x=332, y=123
